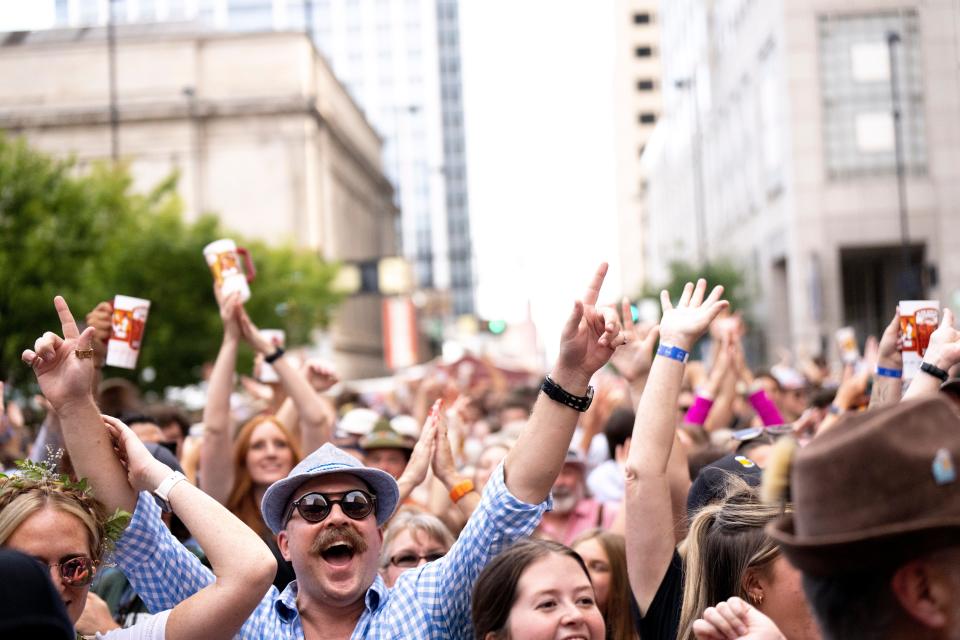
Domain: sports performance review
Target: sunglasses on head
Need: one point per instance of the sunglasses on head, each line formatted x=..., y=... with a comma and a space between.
x=316, y=506
x=410, y=560
x=75, y=571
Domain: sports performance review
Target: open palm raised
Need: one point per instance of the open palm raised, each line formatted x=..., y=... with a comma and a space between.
x=682, y=325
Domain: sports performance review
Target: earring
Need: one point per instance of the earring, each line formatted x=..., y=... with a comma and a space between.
x=758, y=599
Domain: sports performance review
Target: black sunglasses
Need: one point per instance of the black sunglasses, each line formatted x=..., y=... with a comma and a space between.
x=315, y=506
x=410, y=560
x=75, y=571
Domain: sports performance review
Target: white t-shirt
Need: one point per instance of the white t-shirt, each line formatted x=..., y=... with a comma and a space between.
x=153, y=628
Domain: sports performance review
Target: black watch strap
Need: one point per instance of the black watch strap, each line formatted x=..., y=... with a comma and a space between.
x=273, y=357
x=559, y=394
x=934, y=370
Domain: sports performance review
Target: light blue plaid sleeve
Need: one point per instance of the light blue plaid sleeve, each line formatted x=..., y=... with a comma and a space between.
x=162, y=571
x=445, y=587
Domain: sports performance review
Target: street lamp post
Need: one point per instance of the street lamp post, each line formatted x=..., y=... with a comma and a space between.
x=908, y=279
x=696, y=156
x=112, y=65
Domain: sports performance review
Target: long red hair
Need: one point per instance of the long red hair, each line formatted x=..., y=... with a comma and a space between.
x=242, y=501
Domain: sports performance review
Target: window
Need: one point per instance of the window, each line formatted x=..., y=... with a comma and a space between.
x=641, y=18
x=855, y=79
x=647, y=117
x=643, y=52
x=645, y=85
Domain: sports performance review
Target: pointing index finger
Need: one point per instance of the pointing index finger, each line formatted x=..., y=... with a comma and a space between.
x=593, y=291
x=69, y=325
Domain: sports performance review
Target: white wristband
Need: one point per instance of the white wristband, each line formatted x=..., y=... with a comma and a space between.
x=163, y=491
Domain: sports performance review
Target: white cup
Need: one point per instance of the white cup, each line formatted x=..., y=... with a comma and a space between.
x=126, y=331
x=230, y=275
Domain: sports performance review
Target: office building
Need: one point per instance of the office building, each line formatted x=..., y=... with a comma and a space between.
x=400, y=60
x=256, y=124
x=779, y=115
x=638, y=106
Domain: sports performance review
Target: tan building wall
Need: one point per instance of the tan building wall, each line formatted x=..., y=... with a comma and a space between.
x=257, y=125
x=772, y=203
x=638, y=99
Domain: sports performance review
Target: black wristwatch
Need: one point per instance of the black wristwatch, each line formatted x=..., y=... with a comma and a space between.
x=557, y=393
x=934, y=370
x=273, y=357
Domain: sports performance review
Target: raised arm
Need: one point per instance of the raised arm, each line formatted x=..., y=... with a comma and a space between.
x=445, y=469
x=888, y=381
x=589, y=338
x=943, y=352
x=216, y=459
x=634, y=358
x=65, y=371
x=419, y=464
x=242, y=563
x=321, y=379
x=313, y=415
x=649, y=515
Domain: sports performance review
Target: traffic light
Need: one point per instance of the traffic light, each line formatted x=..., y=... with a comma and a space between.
x=496, y=327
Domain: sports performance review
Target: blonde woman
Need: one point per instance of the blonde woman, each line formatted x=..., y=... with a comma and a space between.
x=60, y=523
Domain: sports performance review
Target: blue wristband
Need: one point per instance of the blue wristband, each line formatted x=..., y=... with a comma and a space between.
x=672, y=352
x=889, y=373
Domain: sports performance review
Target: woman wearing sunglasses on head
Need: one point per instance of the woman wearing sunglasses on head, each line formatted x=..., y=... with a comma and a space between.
x=62, y=525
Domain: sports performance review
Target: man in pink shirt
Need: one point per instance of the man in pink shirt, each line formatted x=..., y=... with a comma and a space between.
x=573, y=512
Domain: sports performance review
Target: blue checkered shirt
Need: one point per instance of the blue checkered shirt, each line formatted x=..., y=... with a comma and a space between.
x=430, y=602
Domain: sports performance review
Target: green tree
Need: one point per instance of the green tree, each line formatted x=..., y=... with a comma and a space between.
x=88, y=236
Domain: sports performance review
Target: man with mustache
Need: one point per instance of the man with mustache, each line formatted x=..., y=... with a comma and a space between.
x=328, y=513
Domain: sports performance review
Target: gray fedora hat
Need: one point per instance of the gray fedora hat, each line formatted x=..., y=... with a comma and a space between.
x=327, y=460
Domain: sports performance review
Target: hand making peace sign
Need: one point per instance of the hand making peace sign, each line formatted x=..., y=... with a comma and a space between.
x=63, y=366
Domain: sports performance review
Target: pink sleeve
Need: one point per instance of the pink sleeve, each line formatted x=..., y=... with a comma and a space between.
x=768, y=412
x=697, y=413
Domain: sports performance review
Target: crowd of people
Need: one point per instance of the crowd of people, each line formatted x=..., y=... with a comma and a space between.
x=633, y=492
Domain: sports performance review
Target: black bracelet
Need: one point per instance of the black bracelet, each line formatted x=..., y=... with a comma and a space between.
x=273, y=357
x=559, y=394
x=934, y=370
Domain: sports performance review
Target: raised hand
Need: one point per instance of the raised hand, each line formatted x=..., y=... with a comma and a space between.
x=889, y=355
x=682, y=326
x=101, y=319
x=144, y=472
x=320, y=377
x=589, y=337
x=634, y=359
x=944, y=348
x=735, y=620
x=252, y=334
x=416, y=470
x=62, y=365
x=230, y=309
x=443, y=464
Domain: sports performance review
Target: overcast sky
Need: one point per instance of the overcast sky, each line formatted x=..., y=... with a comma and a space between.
x=538, y=89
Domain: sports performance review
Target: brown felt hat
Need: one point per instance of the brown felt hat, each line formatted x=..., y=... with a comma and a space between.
x=881, y=487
